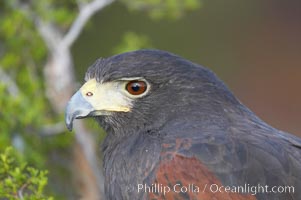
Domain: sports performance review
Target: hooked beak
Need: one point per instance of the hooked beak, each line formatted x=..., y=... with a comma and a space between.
x=95, y=99
x=78, y=107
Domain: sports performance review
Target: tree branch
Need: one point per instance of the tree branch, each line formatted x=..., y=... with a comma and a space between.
x=86, y=11
x=59, y=83
x=53, y=129
x=50, y=34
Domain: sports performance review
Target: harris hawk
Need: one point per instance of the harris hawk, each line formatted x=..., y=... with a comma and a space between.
x=175, y=131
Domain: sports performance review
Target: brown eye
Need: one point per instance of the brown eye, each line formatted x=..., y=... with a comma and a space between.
x=136, y=87
x=89, y=94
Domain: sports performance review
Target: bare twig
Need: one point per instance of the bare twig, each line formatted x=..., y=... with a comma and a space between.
x=51, y=34
x=20, y=194
x=86, y=11
x=11, y=85
x=20, y=191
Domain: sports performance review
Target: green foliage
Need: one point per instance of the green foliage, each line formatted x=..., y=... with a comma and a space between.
x=158, y=9
x=21, y=113
x=19, y=181
x=24, y=107
x=132, y=41
x=22, y=57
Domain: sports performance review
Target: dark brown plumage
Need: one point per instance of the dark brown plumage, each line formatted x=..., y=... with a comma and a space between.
x=185, y=129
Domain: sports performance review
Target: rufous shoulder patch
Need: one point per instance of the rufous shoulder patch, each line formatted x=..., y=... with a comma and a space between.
x=187, y=178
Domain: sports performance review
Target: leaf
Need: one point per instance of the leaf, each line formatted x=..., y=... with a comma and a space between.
x=132, y=41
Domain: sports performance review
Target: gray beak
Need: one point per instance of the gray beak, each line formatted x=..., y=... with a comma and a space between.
x=77, y=107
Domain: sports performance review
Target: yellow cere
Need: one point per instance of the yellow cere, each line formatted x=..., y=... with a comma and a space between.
x=106, y=96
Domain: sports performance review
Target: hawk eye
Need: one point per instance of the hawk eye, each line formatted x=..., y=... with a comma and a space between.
x=136, y=87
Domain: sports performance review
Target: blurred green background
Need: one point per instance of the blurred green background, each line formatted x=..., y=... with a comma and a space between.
x=254, y=46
